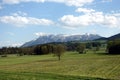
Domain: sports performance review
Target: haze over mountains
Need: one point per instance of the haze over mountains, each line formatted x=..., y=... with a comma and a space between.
x=48, y=38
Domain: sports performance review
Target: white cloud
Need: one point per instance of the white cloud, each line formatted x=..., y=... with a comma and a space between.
x=40, y=34
x=75, y=21
x=112, y=21
x=58, y=1
x=10, y=44
x=11, y=1
x=85, y=10
x=16, y=45
x=106, y=0
x=76, y=3
x=4, y=43
x=19, y=1
x=117, y=14
x=91, y=17
x=19, y=13
x=20, y=21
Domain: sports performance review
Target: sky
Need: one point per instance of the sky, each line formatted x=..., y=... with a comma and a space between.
x=25, y=20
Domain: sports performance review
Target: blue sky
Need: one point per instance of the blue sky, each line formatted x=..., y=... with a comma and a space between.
x=25, y=20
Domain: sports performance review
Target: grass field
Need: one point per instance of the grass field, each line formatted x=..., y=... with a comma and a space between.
x=73, y=66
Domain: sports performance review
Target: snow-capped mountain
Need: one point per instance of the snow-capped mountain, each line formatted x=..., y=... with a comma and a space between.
x=60, y=38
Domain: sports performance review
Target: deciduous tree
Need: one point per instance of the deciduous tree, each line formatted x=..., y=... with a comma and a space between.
x=58, y=50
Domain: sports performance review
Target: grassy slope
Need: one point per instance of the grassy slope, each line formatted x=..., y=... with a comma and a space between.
x=72, y=64
x=42, y=76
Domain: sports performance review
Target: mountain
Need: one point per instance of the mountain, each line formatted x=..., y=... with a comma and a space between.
x=117, y=36
x=101, y=39
x=60, y=38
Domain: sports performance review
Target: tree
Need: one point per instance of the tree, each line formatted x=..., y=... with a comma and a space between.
x=58, y=50
x=44, y=49
x=113, y=47
x=89, y=45
x=50, y=48
x=4, y=52
x=80, y=48
x=96, y=44
x=37, y=50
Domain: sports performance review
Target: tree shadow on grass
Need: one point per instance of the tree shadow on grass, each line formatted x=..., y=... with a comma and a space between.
x=102, y=53
x=105, y=53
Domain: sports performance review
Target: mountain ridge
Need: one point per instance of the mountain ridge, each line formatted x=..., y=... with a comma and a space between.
x=116, y=36
x=113, y=37
x=48, y=38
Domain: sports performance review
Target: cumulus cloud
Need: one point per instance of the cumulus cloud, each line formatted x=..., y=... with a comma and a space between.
x=85, y=10
x=67, y=2
x=90, y=17
x=18, y=20
x=75, y=21
x=77, y=3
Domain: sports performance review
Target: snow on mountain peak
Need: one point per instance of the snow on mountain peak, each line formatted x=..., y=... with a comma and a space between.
x=41, y=34
x=47, y=38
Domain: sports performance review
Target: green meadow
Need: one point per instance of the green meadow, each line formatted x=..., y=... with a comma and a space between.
x=72, y=66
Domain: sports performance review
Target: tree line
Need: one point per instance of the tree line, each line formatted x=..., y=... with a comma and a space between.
x=49, y=48
x=57, y=50
x=113, y=47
